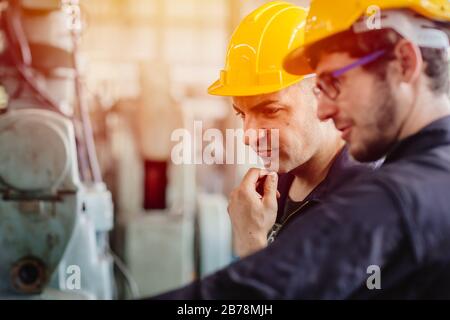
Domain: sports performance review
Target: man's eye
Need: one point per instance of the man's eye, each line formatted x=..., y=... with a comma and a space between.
x=240, y=114
x=272, y=111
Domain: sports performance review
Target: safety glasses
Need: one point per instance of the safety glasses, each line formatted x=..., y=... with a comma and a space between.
x=328, y=82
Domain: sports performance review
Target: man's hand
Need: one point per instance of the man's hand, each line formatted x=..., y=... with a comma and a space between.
x=252, y=214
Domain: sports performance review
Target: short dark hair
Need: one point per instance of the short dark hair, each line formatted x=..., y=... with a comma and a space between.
x=361, y=44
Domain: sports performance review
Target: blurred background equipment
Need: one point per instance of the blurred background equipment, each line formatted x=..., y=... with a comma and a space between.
x=55, y=211
x=140, y=72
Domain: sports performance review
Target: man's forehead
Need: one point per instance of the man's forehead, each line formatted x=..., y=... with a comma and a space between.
x=257, y=101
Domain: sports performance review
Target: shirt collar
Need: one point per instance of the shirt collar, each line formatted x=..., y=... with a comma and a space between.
x=342, y=163
x=340, y=171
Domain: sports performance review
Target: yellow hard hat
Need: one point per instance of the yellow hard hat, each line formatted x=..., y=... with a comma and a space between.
x=257, y=48
x=327, y=18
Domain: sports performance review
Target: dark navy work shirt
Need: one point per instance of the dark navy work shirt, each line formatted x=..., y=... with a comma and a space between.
x=342, y=171
x=396, y=218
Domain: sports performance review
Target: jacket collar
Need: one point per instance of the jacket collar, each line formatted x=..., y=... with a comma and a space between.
x=342, y=165
x=435, y=134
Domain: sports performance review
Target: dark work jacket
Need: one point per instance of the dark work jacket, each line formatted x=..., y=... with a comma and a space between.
x=395, y=219
x=343, y=170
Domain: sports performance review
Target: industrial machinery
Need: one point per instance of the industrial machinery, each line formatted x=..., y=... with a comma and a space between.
x=55, y=211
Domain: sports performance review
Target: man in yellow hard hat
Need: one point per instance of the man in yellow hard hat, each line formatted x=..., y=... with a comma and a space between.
x=309, y=154
x=341, y=47
x=387, y=234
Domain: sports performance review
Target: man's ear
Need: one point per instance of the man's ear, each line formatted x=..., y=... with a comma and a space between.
x=410, y=60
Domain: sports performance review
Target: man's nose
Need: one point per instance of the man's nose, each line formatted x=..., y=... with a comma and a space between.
x=326, y=109
x=252, y=132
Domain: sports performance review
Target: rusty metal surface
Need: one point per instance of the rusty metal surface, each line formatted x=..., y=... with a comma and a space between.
x=43, y=231
x=38, y=197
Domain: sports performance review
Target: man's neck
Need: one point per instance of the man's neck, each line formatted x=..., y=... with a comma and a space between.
x=425, y=111
x=312, y=173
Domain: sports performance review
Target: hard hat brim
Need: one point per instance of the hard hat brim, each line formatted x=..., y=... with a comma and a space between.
x=296, y=62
